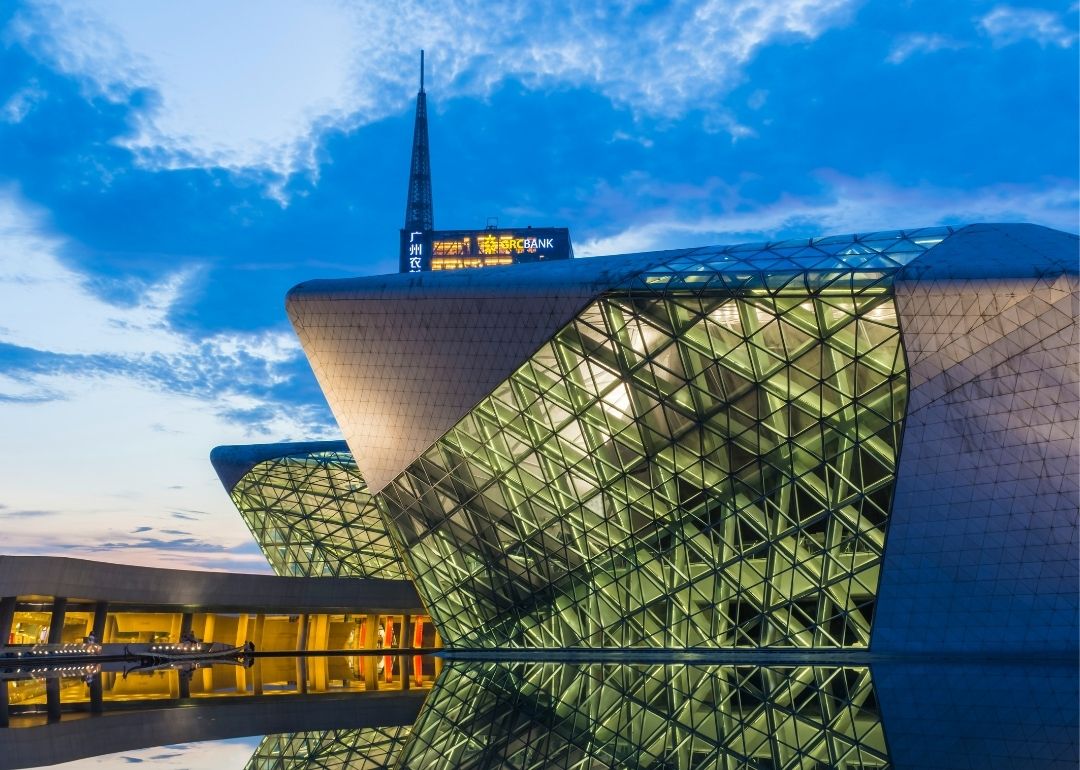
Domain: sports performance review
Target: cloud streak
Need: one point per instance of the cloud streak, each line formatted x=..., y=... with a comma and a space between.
x=845, y=205
x=115, y=410
x=921, y=43
x=54, y=322
x=1007, y=25
x=327, y=64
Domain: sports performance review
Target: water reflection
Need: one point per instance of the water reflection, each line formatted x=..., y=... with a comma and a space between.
x=368, y=749
x=587, y=715
x=496, y=715
x=35, y=695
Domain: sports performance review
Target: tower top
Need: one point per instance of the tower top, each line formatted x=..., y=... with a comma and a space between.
x=418, y=206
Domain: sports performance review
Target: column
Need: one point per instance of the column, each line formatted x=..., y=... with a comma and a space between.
x=4, y=704
x=101, y=612
x=185, y=625
x=56, y=625
x=241, y=638
x=257, y=677
x=176, y=622
x=371, y=640
x=96, y=703
x=302, y=634
x=52, y=697
x=404, y=670
x=208, y=627
x=417, y=643
x=257, y=669
x=320, y=678
x=7, y=618
x=257, y=637
x=319, y=633
x=301, y=674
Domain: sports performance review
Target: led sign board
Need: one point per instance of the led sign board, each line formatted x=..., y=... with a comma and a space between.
x=422, y=251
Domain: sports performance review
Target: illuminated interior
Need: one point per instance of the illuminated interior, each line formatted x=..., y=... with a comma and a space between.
x=704, y=457
x=312, y=516
x=398, y=636
x=269, y=632
x=370, y=748
x=489, y=715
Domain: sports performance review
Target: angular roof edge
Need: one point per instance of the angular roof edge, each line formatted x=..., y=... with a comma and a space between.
x=998, y=250
x=233, y=462
x=606, y=272
x=532, y=278
x=401, y=358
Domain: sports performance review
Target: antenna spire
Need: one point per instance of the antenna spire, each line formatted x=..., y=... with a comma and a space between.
x=418, y=208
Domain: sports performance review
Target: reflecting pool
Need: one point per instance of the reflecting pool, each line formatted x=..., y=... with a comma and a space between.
x=419, y=712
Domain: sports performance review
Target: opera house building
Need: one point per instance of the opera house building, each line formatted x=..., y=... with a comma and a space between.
x=840, y=473
x=863, y=441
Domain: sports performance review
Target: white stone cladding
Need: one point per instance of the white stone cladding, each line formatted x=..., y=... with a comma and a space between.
x=401, y=359
x=982, y=550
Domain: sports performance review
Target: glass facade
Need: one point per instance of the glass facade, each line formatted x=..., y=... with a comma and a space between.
x=525, y=715
x=312, y=516
x=704, y=457
x=371, y=748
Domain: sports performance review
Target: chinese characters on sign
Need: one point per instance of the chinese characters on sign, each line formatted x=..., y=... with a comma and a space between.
x=416, y=252
x=422, y=251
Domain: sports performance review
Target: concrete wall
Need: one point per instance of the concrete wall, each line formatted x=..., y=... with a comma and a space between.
x=80, y=579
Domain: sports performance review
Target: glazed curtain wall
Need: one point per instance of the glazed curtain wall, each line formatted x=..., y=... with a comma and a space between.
x=672, y=469
x=532, y=715
x=312, y=516
x=371, y=748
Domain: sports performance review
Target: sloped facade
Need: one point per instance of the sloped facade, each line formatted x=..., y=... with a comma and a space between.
x=716, y=447
x=308, y=509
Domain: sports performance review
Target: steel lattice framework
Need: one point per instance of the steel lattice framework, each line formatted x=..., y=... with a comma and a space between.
x=550, y=715
x=702, y=447
x=370, y=748
x=312, y=516
x=705, y=458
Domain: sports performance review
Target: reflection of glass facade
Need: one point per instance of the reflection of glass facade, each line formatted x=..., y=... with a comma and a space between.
x=675, y=468
x=371, y=748
x=312, y=516
x=549, y=715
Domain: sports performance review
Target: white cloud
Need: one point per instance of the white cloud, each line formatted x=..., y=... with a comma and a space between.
x=124, y=442
x=21, y=103
x=908, y=45
x=847, y=205
x=1007, y=25
x=247, y=84
x=49, y=306
x=242, y=83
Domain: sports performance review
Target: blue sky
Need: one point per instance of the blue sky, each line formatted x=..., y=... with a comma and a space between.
x=169, y=170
